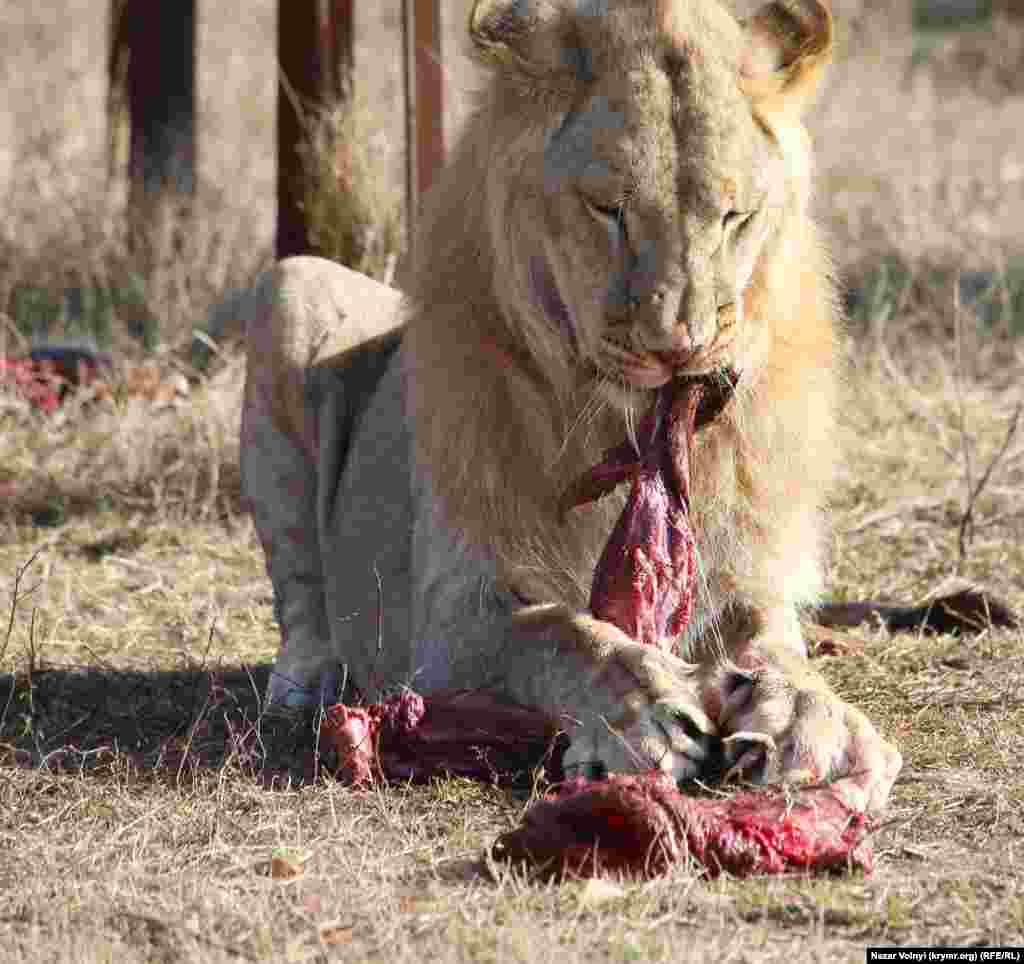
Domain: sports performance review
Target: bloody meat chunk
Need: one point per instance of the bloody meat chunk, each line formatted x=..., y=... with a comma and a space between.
x=642, y=825
x=638, y=824
x=469, y=733
x=645, y=577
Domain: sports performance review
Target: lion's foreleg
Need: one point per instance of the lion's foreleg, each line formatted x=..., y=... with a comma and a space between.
x=279, y=485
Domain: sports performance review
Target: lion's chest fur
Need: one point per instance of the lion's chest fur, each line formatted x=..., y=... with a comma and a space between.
x=407, y=603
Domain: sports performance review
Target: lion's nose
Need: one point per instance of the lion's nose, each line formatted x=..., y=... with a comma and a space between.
x=681, y=320
x=674, y=314
x=668, y=308
x=694, y=320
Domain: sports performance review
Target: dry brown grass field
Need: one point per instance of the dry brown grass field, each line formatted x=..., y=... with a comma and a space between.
x=142, y=816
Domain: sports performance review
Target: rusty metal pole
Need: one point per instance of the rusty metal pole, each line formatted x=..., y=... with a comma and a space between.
x=424, y=100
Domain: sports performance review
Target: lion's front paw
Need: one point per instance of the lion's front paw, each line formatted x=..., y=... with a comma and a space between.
x=780, y=727
x=642, y=712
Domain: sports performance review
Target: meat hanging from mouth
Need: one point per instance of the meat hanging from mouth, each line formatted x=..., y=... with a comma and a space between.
x=644, y=581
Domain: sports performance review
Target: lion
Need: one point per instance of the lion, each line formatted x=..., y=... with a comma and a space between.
x=627, y=205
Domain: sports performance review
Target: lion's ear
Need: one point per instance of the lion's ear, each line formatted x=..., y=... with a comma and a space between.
x=788, y=46
x=512, y=33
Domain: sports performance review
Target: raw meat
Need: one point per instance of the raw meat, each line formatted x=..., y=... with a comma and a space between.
x=645, y=577
x=642, y=825
x=469, y=733
x=639, y=824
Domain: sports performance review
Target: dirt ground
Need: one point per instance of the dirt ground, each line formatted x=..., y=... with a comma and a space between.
x=149, y=810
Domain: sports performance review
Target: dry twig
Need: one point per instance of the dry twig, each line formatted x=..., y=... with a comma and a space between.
x=967, y=519
x=16, y=596
x=973, y=489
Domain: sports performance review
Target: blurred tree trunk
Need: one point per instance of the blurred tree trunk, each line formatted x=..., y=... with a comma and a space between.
x=152, y=60
x=152, y=75
x=314, y=54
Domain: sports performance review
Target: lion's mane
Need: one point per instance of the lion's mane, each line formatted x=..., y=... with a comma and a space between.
x=505, y=416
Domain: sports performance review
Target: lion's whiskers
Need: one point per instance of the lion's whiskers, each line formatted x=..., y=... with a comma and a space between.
x=587, y=415
x=631, y=420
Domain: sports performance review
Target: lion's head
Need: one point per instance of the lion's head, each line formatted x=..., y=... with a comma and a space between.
x=627, y=204
x=642, y=162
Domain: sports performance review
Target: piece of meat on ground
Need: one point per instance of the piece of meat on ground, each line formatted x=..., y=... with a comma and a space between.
x=636, y=824
x=643, y=825
x=469, y=733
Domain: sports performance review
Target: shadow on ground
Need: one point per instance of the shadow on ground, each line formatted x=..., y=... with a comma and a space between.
x=171, y=721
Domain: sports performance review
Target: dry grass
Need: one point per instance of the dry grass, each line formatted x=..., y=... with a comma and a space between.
x=150, y=812
x=355, y=214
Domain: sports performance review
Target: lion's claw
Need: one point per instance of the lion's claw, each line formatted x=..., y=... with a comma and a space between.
x=747, y=755
x=782, y=724
x=667, y=735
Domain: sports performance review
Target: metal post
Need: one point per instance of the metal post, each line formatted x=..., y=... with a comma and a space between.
x=424, y=104
x=429, y=94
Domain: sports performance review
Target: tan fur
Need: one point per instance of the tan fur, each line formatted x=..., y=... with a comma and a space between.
x=488, y=362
